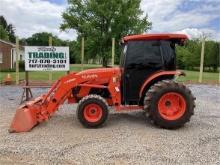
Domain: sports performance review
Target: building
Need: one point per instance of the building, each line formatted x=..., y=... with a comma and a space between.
x=8, y=55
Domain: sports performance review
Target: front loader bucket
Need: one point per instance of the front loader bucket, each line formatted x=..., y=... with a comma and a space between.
x=26, y=117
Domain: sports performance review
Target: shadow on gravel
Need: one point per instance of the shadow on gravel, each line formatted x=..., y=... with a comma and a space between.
x=129, y=117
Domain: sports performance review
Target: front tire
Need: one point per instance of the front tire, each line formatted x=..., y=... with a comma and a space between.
x=92, y=111
x=169, y=104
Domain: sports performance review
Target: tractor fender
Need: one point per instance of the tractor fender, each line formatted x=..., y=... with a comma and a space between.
x=156, y=76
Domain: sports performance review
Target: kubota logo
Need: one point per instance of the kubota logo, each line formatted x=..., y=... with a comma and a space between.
x=89, y=76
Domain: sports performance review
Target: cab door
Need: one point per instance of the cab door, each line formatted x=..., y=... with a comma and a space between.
x=142, y=59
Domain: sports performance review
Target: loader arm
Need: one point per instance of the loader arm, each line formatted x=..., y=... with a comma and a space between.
x=40, y=109
x=64, y=86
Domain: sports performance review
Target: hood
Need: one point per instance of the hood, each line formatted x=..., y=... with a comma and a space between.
x=100, y=70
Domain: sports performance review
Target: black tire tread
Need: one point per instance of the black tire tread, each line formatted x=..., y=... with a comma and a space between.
x=81, y=104
x=157, y=87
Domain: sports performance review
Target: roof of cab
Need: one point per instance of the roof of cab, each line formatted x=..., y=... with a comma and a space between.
x=155, y=37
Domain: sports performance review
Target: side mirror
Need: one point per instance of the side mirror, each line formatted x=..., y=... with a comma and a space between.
x=182, y=42
x=121, y=43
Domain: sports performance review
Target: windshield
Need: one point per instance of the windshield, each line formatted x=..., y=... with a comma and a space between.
x=123, y=52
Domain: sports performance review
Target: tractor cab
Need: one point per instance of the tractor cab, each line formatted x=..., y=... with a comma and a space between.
x=144, y=55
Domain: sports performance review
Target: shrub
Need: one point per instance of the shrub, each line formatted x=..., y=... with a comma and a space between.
x=21, y=66
x=8, y=70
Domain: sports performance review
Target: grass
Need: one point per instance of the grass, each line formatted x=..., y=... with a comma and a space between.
x=38, y=75
x=191, y=76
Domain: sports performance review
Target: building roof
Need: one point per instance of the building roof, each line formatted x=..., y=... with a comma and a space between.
x=7, y=42
x=155, y=37
x=11, y=44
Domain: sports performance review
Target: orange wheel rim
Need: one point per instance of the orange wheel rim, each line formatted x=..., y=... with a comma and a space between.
x=92, y=112
x=172, y=106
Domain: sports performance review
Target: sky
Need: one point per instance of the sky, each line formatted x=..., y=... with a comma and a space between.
x=191, y=17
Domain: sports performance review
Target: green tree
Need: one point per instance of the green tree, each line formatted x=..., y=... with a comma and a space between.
x=192, y=59
x=42, y=39
x=211, y=55
x=11, y=33
x=188, y=56
x=9, y=28
x=74, y=48
x=98, y=21
x=3, y=34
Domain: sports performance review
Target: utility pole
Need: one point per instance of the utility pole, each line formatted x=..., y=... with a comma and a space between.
x=82, y=53
x=202, y=60
x=219, y=64
x=203, y=37
x=17, y=61
x=219, y=76
x=50, y=73
x=113, y=51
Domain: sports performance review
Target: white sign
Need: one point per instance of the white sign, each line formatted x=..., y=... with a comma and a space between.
x=46, y=58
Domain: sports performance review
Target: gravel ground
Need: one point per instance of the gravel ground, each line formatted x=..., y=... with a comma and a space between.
x=127, y=138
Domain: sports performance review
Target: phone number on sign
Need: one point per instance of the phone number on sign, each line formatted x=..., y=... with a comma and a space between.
x=46, y=61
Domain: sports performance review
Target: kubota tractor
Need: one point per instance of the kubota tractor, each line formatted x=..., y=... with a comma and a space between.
x=144, y=80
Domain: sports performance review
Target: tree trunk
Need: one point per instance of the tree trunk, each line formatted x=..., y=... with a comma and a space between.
x=104, y=62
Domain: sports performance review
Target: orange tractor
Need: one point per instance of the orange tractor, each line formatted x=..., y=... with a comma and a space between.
x=144, y=80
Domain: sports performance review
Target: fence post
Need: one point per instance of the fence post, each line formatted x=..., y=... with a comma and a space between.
x=218, y=68
x=219, y=76
x=17, y=61
x=113, y=51
x=82, y=53
x=26, y=84
x=50, y=73
x=202, y=60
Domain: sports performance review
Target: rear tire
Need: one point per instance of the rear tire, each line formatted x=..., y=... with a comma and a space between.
x=169, y=104
x=92, y=111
